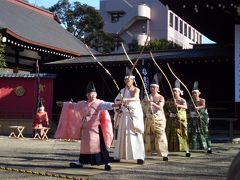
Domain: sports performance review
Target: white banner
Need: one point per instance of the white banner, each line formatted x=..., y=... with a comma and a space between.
x=237, y=62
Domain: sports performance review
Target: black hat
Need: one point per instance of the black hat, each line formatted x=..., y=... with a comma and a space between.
x=40, y=104
x=91, y=87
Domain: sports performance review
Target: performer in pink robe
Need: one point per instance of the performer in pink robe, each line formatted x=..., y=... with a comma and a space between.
x=89, y=121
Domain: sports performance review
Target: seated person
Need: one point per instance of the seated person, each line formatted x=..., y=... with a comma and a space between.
x=40, y=120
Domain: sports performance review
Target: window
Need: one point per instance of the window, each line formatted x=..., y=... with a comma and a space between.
x=115, y=16
x=189, y=32
x=193, y=36
x=200, y=39
x=176, y=23
x=171, y=19
x=181, y=26
x=185, y=29
x=197, y=38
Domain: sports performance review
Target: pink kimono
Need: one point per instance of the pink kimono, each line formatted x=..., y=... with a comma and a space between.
x=81, y=120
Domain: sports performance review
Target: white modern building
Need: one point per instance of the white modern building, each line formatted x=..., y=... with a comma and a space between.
x=134, y=19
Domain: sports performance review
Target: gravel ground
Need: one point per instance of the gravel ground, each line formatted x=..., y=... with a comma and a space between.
x=42, y=160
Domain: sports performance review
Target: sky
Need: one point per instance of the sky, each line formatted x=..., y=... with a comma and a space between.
x=93, y=3
x=49, y=3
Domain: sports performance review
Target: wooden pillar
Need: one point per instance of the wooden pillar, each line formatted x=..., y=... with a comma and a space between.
x=237, y=115
x=237, y=108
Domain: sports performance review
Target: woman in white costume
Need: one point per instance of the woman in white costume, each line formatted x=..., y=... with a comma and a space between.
x=129, y=122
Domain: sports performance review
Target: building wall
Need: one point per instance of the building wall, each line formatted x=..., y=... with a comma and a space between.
x=18, y=99
x=133, y=22
x=180, y=32
x=217, y=86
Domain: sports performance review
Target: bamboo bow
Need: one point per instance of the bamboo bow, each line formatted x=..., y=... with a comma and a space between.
x=103, y=67
x=134, y=67
x=134, y=64
x=183, y=86
x=169, y=84
x=106, y=70
x=145, y=89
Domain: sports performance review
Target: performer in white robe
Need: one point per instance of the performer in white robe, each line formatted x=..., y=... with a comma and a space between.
x=129, y=144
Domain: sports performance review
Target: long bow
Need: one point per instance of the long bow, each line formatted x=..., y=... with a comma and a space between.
x=188, y=94
x=145, y=89
x=114, y=81
x=135, y=64
x=116, y=85
x=183, y=86
x=133, y=67
x=169, y=84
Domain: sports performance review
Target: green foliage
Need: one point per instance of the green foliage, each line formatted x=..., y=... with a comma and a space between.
x=85, y=23
x=101, y=41
x=2, y=51
x=133, y=46
x=154, y=45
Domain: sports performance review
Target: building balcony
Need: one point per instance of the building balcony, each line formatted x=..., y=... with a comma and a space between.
x=140, y=12
x=143, y=11
x=141, y=39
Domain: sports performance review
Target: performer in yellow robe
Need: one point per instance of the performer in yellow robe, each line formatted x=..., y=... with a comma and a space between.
x=177, y=126
x=155, y=123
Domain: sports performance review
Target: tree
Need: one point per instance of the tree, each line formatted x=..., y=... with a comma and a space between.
x=154, y=45
x=2, y=51
x=100, y=41
x=85, y=23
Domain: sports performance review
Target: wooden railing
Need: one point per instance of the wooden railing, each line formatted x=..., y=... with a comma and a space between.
x=230, y=120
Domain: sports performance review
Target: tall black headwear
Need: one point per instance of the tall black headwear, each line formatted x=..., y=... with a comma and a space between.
x=195, y=87
x=129, y=74
x=40, y=104
x=91, y=87
x=156, y=79
x=177, y=86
